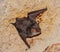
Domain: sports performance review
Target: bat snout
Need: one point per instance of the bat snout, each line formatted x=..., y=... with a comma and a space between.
x=35, y=32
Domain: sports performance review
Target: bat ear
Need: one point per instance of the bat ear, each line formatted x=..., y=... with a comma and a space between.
x=17, y=19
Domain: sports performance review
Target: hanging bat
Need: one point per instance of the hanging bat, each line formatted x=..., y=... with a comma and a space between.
x=27, y=27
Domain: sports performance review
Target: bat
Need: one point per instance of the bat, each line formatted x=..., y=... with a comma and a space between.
x=27, y=27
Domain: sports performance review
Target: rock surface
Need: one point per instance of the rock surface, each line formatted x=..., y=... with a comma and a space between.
x=10, y=40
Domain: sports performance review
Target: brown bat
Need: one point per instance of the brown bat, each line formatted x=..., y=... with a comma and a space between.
x=27, y=27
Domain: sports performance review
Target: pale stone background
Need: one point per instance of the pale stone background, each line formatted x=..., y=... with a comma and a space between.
x=10, y=40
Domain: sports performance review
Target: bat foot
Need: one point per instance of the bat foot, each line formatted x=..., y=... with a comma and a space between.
x=27, y=49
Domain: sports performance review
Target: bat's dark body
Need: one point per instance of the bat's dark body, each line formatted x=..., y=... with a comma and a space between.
x=25, y=25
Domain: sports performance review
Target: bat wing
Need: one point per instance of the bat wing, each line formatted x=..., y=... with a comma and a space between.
x=33, y=14
x=23, y=36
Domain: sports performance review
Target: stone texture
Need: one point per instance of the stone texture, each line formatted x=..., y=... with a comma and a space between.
x=10, y=40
